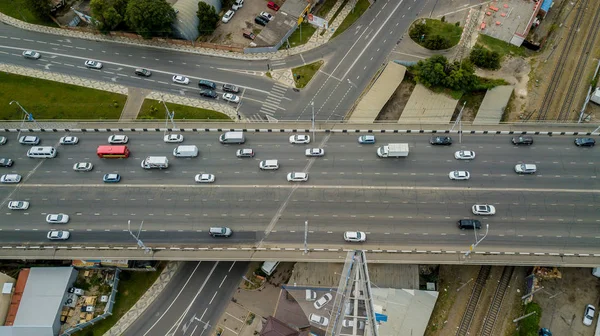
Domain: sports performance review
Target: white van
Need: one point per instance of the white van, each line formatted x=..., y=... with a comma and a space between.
x=185, y=151
x=232, y=138
x=268, y=267
x=155, y=162
x=268, y=165
x=41, y=152
x=311, y=295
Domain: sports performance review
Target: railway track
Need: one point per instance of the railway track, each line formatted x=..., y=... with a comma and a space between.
x=467, y=319
x=560, y=67
x=492, y=315
x=565, y=110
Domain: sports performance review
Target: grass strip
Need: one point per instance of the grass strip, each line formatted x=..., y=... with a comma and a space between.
x=155, y=110
x=46, y=99
x=360, y=7
x=18, y=10
x=303, y=74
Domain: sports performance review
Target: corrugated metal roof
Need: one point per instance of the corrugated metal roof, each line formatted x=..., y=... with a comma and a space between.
x=186, y=21
x=546, y=5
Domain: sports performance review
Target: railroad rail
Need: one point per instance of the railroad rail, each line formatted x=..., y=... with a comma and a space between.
x=467, y=319
x=578, y=75
x=560, y=67
x=492, y=315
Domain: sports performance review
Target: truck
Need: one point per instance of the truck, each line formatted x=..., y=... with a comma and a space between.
x=155, y=162
x=393, y=150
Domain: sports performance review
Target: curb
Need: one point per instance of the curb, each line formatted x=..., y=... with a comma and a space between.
x=283, y=130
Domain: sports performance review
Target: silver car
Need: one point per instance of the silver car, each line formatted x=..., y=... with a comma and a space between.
x=93, y=64
x=29, y=140
x=18, y=205
x=204, y=178
x=297, y=177
x=323, y=301
x=31, y=54
x=459, y=175
x=57, y=218
x=69, y=140
x=118, y=139
x=314, y=152
x=464, y=155
x=58, y=235
x=83, y=166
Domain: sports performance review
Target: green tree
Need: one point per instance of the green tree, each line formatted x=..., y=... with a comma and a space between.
x=436, y=71
x=40, y=8
x=108, y=13
x=208, y=18
x=150, y=17
x=418, y=30
x=437, y=42
x=431, y=72
x=484, y=58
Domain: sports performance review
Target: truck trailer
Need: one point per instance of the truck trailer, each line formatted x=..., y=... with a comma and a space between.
x=155, y=162
x=393, y=150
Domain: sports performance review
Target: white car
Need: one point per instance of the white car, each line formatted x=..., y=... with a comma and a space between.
x=350, y=324
x=297, y=177
x=464, y=155
x=178, y=79
x=10, y=178
x=118, y=139
x=525, y=168
x=459, y=175
x=484, y=209
x=29, y=140
x=323, y=301
x=300, y=139
x=205, y=178
x=355, y=236
x=588, y=315
x=3, y=140
x=318, y=319
x=315, y=152
x=171, y=138
x=266, y=16
x=83, y=166
x=31, y=54
x=57, y=219
x=230, y=97
x=58, y=235
x=69, y=140
x=93, y=64
x=18, y=205
x=228, y=16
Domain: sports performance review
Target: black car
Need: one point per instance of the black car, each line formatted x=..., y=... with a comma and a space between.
x=261, y=20
x=203, y=83
x=143, y=72
x=208, y=93
x=469, y=224
x=522, y=140
x=249, y=35
x=441, y=140
x=230, y=88
x=4, y=162
x=587, y=142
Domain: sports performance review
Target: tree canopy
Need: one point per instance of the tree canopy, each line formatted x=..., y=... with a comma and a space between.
x=484, y=58
x=40, y=8
x=436, y=71
x=208, y=18
x=150, y=17
x=108, y=13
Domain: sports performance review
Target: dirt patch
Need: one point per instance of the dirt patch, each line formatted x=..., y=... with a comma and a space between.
x=392, y=110
x=473, y=102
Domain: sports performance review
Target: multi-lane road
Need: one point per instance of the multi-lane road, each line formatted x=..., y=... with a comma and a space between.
x=351, y=59
x=405, y=203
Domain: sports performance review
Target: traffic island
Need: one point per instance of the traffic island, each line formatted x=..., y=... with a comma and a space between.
x=435, y=34
x=303, y=74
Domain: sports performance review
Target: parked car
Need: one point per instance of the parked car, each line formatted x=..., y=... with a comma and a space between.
x=441, y=141
x=585, y=142
x=69, y=140
x=266, y=15
x=249, y=35
x=323, y=300
x=237, y=4
x=31, y=54
x=588, y=315
x=522, y=140
x=93, y=64
x=228, y=15
x=143, y=72
x=230, y=88
x=319, y=320
x=261, y=20
x=273, y=6
x=350, y=324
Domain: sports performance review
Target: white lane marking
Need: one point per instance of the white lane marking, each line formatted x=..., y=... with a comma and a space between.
x=372, y=38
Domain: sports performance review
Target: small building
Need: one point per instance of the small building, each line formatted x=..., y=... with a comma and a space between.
x=275, y=327
x=37, y=301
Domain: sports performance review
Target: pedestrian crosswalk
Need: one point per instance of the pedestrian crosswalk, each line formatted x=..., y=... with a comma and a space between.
x=268, y=110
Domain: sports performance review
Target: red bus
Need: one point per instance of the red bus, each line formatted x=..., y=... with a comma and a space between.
x=111, y=152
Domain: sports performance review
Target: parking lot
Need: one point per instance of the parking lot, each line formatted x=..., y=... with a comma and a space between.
x=230, y=33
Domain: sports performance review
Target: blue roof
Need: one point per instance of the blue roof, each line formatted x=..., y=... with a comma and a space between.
x=546, y=5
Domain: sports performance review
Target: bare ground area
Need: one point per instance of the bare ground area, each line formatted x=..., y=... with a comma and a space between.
x=544, y=64
x=392, y=110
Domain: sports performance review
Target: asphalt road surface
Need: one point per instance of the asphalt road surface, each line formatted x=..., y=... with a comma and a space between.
x=192, y=301
x=351, y=59
x=407, y=202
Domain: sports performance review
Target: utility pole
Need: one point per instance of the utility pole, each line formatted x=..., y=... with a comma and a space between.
x=137, y=239
x=312, y=104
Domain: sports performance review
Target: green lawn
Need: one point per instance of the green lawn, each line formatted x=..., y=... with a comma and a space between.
x=503, y=48
x=303, y=74
x=52, y=100
x=131, y=288
x=18, y=10
x=360, y=7
x=444, y=29
x=300, y=36
x=155, y=110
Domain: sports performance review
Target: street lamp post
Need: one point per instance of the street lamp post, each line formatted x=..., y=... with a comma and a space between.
x=458, y=122
x=305, y=237
x=473, y=246
x=169, y=116
x=136, y=237
x=312, y=105
x=25, y=116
